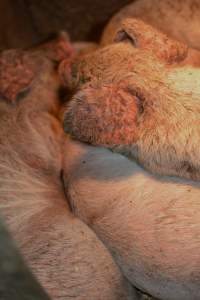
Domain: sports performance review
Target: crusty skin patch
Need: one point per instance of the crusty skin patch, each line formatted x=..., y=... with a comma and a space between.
x=58, y=48
x=176, y=18
x=164, y=126
x=168, y=21
x=134, y=33
x=17, y=72
x=145, y=36
x=103, y=114
x=19, y=68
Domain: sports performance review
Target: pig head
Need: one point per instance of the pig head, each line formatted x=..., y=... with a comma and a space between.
x=135, y=97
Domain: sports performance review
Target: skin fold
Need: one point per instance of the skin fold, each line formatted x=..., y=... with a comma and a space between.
x=68, y=259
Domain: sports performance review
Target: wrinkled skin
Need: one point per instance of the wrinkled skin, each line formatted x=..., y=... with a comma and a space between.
x=138, y=104
x=66, y=256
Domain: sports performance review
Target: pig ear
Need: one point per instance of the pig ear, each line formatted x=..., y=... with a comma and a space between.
x=17, y=72
x=104, y=115
x=124, y=35
x=144, y=36
x=57, y=47
x=68, y=74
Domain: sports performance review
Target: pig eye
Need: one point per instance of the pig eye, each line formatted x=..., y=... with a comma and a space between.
x=123, y=36
x=140, y=104
x=139, y=98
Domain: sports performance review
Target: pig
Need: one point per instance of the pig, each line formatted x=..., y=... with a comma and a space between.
x=132, y=101
x=178, y=19
x=149, y=223
x=145, y=36
x=141, y=103
x=68, y=259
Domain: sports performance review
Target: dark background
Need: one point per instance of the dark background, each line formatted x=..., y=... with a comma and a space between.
x=26, y=22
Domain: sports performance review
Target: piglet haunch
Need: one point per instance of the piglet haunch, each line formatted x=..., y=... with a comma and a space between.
x=134, y=103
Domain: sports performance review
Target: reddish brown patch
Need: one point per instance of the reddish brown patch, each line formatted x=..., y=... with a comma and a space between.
x=105, y=115
x=17, y=71
x=147, y=37
x=59, y=48
x=18, y=68
x=64, y=71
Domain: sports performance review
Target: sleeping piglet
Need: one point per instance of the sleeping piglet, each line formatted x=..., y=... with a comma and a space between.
x=134, y=101
x=138, y=101
x=66, y=256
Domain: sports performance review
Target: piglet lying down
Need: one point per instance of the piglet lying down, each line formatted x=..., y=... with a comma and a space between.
x=140, y=102
x=66, y=256
x=131, y=101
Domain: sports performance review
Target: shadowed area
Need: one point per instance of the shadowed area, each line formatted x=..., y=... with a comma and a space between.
x=26, y=22
x=16, y=280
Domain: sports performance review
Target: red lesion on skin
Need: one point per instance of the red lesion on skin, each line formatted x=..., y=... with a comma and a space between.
x=59, y=48
x=65, y=72
x=103, y=115
x=18, y=68
x=17, y=71
x=145, y=36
